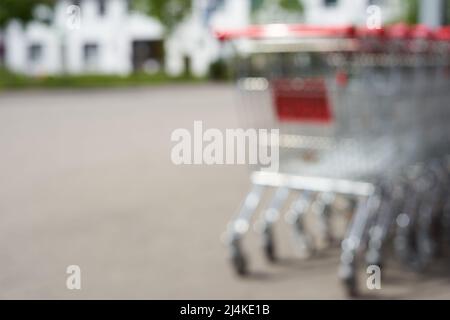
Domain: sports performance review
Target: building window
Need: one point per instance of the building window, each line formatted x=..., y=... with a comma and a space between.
x=330, y=3
x=35, y=53
x=147, y=55
x=91, y=55
x=102, y=7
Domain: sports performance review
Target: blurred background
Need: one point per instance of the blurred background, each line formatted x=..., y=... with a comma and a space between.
x=50, y=40
x=90, y=92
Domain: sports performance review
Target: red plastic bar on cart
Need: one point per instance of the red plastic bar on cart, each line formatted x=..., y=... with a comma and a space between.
x=301, y=100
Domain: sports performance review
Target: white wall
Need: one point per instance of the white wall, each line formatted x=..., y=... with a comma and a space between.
x=113, y=33
x=49, y=63
x=431, y=12
x=345, y=12
x=349, y=11
x=15, y=51
x=194, y=40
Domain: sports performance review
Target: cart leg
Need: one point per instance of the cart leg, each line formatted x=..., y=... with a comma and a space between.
x=446, y=204
x=323, y=208
x=404, y=239
x=271, y=215
x=239, y=227
x=425, y=243
x=437, y=233
x=377, y=236
x=446, y=221
x=238, y=259
x=431, y=211
x=388, y=210
x=426, y=240
x=296, y=218
x=414, y=240
x=352, y=243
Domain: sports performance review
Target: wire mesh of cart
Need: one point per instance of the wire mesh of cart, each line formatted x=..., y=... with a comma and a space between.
x=349, y=124
x=413, y=202
x=423, y=219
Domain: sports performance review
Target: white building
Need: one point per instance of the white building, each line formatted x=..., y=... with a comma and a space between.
x=329, y=12
x=114, y=40
x=338, y=12
x=109, y=39
x=192, y=45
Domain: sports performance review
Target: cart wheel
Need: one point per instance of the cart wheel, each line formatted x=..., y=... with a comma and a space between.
x=269, y=245
x=238, y=260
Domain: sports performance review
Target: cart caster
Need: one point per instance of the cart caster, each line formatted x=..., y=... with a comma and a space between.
x=269, y=245
x=238, y=260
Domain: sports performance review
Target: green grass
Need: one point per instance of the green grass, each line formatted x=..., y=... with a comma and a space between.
x=10, y=80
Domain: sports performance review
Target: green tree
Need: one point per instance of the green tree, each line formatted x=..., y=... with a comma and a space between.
x=291, y=5
x=18, y=9
x=288, y=5
x=276, y=11
x=447, y=12
x=412, y=11
x=413, y=8
x=169, y=12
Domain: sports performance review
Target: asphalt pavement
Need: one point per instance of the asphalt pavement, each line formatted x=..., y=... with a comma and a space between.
x=86, y=179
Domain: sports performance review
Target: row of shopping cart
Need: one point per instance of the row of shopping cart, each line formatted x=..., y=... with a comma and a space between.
x=364, y=124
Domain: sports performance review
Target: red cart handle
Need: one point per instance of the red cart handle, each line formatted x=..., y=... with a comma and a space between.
x=443, y=33
x=270, y=31
x=285, y=30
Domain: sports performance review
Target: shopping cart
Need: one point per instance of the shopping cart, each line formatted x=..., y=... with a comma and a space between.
x=348, y=105
x=420, y=225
